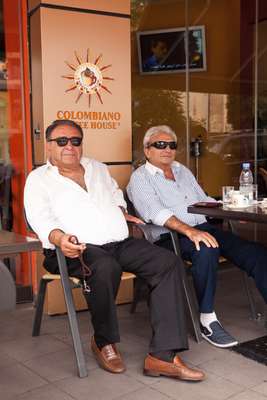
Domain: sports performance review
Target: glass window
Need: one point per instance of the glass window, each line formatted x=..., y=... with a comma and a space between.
x=209, y=86
x=13, y=135
x=158, y=77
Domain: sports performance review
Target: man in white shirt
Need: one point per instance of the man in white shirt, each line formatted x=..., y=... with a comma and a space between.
x=72, y=202
x=161, y=190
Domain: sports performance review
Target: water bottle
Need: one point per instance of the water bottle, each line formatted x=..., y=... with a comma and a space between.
x=246, y=182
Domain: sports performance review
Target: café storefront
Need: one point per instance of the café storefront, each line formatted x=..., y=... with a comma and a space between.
x=207, y=81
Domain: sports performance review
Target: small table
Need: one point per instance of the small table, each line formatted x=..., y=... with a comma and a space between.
x=252, y=214
x=10, y=244
x=14, y=243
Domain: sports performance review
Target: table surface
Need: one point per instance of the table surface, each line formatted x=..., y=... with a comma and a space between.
x=253, y=213
x=12, y=243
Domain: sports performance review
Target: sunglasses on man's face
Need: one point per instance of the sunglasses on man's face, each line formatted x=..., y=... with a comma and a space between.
x=161, y=144
x=64, y=140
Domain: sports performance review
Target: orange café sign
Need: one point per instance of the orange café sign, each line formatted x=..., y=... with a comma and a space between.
x=92, y=119
x=88, y=79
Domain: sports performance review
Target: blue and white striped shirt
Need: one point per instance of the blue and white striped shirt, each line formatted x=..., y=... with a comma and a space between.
x=156, y=198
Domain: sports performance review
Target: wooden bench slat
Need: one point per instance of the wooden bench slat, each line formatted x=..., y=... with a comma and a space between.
x=125, y=276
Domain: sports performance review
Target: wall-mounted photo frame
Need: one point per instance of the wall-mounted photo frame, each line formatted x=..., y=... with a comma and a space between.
x=163, y=51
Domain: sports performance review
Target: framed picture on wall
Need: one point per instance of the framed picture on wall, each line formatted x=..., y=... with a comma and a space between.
x=163, y=51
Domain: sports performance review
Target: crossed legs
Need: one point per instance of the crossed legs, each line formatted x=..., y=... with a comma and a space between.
x=161, y=270
x=162, y=275
x=249, y=256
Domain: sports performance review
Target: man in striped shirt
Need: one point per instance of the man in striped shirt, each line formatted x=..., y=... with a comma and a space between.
x=161, y=190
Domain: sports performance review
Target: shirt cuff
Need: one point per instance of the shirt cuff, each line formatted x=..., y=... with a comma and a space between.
x=162, y=217
x=44, y=237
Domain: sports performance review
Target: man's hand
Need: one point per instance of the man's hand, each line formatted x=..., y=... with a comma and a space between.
x=131, y=218
x=193, y=234
x=69, y=247
x=67, y=243
x=198, y=236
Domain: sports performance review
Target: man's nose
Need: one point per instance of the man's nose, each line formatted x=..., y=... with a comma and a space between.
x=167, y=149
x=69, y=145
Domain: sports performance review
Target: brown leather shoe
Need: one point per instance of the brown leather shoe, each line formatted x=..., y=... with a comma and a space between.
x=177, y=369
x=108, y=357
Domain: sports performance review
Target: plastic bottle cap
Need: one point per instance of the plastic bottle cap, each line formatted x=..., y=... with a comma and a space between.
x=246, y=165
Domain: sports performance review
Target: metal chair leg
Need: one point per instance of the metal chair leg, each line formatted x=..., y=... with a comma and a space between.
x=39, y=307
x=82, y=369
x=193, y=308
x=189, y=293
x=254, y=314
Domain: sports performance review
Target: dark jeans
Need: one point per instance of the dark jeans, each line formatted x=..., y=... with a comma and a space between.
x=156, y=266
x=249, y=256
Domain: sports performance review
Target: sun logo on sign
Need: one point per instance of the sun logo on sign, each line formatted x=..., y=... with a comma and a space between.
x=88, y=77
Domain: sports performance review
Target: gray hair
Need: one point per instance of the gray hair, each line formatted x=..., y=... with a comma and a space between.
x=154, y=130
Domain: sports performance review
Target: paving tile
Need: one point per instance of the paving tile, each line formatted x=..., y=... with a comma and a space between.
x=63, y=365
x=141, y=328
x=243, y=332
x=64, y=334
x=13, y=331
x=55, y=324
x=26, y=349
x=47, y=392
x=199, y=353
x=129, y=347
x=243, y=327
x=23, y=313
x=237, y=369
x=18, y=379
x=248, y=395
x=144, y=394
x=50, y=357
x=135, y=365
x=261, y=388
x=100, y=385
x=6, y=361
x=60, y=324
x=67, y=338
x=213, y=388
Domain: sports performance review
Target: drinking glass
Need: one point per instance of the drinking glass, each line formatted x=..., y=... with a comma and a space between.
x=226, y=194
x=254, y=193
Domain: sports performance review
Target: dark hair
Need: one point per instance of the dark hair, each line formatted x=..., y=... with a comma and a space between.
x=155, y=42
x=60, y=122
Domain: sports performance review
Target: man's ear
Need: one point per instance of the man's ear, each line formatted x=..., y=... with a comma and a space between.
x=146, y=152
x=48, y=148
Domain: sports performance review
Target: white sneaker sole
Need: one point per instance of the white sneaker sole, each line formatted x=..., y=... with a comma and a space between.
x=223, y=346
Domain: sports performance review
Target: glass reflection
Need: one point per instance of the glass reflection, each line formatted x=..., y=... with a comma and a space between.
x=216, y=106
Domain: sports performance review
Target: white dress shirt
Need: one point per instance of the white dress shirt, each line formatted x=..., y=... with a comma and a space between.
x=53, y=201
x=156, y=198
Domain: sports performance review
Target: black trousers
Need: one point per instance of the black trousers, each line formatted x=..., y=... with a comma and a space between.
x=160, y=268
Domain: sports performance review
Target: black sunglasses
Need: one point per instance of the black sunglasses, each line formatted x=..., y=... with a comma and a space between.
x=64, y=140
x=161, y=144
